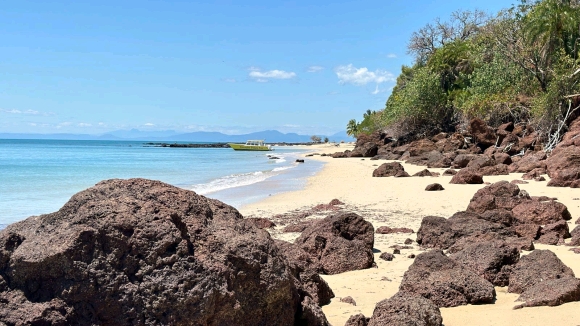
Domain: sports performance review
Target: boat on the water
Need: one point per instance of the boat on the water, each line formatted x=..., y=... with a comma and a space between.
x=251, y=145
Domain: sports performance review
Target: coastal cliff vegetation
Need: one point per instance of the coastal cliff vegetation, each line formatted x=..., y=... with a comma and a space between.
x=520, y=65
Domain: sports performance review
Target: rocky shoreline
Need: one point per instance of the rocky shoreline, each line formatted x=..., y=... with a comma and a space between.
x=214, y=145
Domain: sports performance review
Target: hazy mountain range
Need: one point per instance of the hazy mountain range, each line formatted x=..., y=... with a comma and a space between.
x=271, y=136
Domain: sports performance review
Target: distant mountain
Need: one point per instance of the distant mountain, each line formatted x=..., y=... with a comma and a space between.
x=271, y=136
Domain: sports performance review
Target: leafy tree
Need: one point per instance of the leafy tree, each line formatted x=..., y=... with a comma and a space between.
x=352, y=128
x=315, y=139
x=326, y=139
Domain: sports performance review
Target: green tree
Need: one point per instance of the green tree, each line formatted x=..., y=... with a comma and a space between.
x=352, y=128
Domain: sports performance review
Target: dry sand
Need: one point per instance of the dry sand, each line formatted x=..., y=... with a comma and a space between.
x=403, y=202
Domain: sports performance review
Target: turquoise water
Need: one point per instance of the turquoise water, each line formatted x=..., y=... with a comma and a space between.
x=39, y=176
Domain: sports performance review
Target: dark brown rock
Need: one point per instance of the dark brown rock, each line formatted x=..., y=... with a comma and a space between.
x=357, y=320
x=540, y=212
x=311, y=314
x=387, y=256
x=552, y=292
x=447, y=283
x=481, y=161
x=128, y=251
x=502, y=158
x=482, y=133
x=449, y=172
x=348, y=300
x=368, y=149
x=408, y=241
x=564, y=166
x=462, y=160
x=499, y=169
x=490, y=260
x=528, y=231
x=388, y=230
x=389, y=169
x=434, y=187
x=530, y=161
x=298, y=227
x=538, y=266
x=340, y=155
x=501, y=216
x=312, y=285
x=421, y=146
x=560, y=228
x=550, y=238
x=535, y=173
x=341, y=242
x=426, y=173
x=467, y=176
x=404, y=309
x=518, y=182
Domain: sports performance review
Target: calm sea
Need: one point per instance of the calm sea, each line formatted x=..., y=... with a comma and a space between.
x=39, y=176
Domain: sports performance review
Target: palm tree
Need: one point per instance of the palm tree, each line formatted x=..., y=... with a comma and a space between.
x=352, y=128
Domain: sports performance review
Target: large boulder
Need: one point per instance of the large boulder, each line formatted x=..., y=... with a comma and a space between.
x=564, y=167
x=539, y=266
x=445, y=282
x=143, y=252
x=541, y=212
x=482, y=133
x=491, y=260
x=339, y=243
x=553, y=292
x=368, y=149
x=530, y=161
x=421, y=146
x=393, y=169
x=467, y=176
x=405, y=309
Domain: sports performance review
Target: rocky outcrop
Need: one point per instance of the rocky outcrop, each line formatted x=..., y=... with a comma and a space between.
x=434, y=187
x=467, y=176
x=404, y=309
x=539, y=266
x=357, y=320
x=445, y=282
x=338, y=243
x=389, y=230
x=131, y=251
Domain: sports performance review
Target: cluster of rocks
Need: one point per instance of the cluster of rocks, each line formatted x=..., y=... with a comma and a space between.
x=479, y=151
x=143, y=252
x=484, y=243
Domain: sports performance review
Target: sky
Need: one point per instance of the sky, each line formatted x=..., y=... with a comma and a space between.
x=230, y=66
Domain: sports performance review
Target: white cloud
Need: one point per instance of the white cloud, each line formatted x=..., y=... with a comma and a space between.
x=361, y=76
x=32, y=124
x=391, y=55
x=149, y=124
x=263, y=76
x=315, y=69
x=84, y=124
x=26, y=112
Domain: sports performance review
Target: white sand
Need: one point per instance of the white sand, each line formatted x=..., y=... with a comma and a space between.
x=403, y=202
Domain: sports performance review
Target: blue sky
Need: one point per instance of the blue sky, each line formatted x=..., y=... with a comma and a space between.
x=229, y=66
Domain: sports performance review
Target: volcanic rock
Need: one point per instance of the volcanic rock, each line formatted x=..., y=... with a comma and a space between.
x=404, y=309
x=541, y=213
x=388, y=230
x=564, y=166
x=552, y=292
x=530, y=161
x=449, y=172
x=528, y=231
x=490, y=260
x=387, y=256
x=482, y=133
x=467, y=176
x=389, y=170
x=538, y=266
x=447, y=283
x=349, y=300
x=502, y=158
x=535, y=173
x=357, y=320
x=261, y=223
x=434, y=187
x=426, y=173
x=298, y=227
x=462, y=160
x=341, y=242
x=499, y=169
x=130, y=251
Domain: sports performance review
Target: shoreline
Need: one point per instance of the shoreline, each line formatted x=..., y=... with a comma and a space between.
x=402, y=202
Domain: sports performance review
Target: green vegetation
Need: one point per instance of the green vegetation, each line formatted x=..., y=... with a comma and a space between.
x=521, y=65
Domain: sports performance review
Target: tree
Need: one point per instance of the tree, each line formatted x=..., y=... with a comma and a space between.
x=352, y=128
x=315, y=139
x=326, y=139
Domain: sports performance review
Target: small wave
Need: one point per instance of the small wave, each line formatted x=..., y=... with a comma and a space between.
x=230, y=181
x=282, y=168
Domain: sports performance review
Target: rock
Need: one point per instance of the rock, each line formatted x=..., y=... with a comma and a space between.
x=396, y=251
x=549, y=239
x=311, y=314
x=388, y=230
x=421, y=146
x=535, y=173
x=501, y=216
x=467, y=176
x=564, y=166
x=436, y=232
x=387, y=256
x=449, y=172
x=299, y=161
x=411, y=256
x=439, y=136
x=312, y=285
x=490, y=260
x=447, y=283
x=560, y=228
x=530, y=161
x=389, y=169
x=434, y=187
x=298, y=227
x=502, y=158
x=481, y=161
x=261, y=223
x=518, y=182
x=335, y=202
x=408, y=241
x=499, y=169
x=366, y=150
x=426, y=173
x=349, y=300
x=501, y=194
x=482, y=133
x=451, y=144
x=538, y=266
x=129, y=251
x=528, y=231
x=357, y=320
x=405, y=309
x=340, y=154
x=540, y=212
x=341, y=242
x=552, y=292
x=462, y=160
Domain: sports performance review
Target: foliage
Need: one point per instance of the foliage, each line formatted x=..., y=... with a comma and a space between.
x=315, y=139
x=326, y=139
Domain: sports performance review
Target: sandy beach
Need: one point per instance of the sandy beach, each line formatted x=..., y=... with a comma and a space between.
x=403, y=202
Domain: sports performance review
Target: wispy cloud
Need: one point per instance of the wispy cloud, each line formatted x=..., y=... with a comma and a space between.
x=264, y=76
x=361, y=76
x=84, y=124
x=315, y=68
x=230, y=80
x=149, y=124
x=26, y=112
x=391, y=55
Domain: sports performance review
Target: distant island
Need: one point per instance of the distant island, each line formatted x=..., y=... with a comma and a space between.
x=271, y=136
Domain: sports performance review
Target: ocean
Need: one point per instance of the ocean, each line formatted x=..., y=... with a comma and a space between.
x=39, y=176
